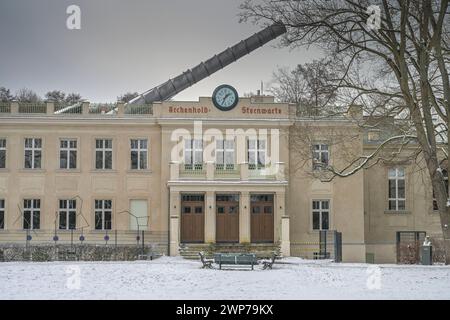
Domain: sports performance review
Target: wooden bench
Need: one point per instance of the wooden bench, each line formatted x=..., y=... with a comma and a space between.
x=237, y=259
x=207, y=263
x=267, y=264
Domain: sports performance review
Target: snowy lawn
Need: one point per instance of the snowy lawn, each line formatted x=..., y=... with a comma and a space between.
x=175, y=278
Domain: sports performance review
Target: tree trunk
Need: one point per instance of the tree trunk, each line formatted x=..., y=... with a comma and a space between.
x=440, y=192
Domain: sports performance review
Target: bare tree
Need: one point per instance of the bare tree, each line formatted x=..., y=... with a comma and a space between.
x=127, y=96
x=306, y=86
x=27, y=95
x=73, y=98
x=5, y=95
x=396, y=68
x=55, y=96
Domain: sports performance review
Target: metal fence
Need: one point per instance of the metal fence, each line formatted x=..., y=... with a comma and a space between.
x=48, y=245
x=326, y=244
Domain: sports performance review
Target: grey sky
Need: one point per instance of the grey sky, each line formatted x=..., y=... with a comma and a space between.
x=130, y=45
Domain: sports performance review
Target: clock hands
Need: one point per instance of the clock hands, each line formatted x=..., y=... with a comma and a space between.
x=225, y=98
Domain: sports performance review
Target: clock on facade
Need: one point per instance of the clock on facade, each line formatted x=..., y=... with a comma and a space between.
x=225, y=97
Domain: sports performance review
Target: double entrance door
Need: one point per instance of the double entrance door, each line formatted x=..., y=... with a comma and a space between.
x=227, y=218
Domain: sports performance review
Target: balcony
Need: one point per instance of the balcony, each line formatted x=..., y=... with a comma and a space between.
x=211, y=171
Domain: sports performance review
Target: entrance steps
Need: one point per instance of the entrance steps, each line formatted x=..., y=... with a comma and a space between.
x=262, y=250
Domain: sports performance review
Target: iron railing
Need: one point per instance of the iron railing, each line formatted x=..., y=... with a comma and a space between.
x=33, y=107
x=227, y=170
x=138, y=109
x=5, y=107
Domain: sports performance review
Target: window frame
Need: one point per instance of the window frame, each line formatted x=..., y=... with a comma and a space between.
x=317, y=162
x=3, y=213
x=5, y=150
x=320, y=211
x=257, y=151
x=33, y=150
x=396, y=178
x=67, y=211
x=33, y=210
x=103, y=150
x=102, y=211
x=139, y=150
x=67, y=150
x=193, y=150
x=222, y=148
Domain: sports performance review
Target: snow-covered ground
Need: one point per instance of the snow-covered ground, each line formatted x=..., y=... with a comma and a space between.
x=175, y=278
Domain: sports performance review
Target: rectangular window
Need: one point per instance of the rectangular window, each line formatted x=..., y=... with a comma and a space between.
x=33, y=153
x=445, y=174
x=396, y=186
x=321, y=214
x=139, y=215
x=256, y=152
x=67, y=214
x=225, y=152
x=2, y=153
x=103, y=154
x=2, y=213
x=320, y=156
x=103, y=214
x=139, y=153
x=193, y=152
x=31, y=214
x=68, y=154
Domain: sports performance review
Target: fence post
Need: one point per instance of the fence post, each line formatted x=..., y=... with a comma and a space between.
x=143, y=245
x=337, y=246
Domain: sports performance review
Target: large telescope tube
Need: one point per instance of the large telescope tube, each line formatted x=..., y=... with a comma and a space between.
x=190, y=77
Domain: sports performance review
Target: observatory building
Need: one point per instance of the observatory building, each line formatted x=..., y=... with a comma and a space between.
x=224, y=173
x=188, y=176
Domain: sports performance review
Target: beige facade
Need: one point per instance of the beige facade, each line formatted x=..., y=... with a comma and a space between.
x=357, y=206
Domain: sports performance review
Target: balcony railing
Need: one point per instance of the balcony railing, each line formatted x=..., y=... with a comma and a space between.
x=227, y=170
x=211, y=171
x=84, y=108
x=260, y=171
x=196, y=170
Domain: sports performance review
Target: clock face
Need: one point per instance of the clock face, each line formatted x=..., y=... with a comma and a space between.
x=225, y=97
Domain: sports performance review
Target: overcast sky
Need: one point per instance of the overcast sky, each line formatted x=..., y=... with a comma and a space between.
x=128, y=45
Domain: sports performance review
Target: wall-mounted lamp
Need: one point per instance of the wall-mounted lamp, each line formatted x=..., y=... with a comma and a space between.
x=210, y=207
x=245, y=207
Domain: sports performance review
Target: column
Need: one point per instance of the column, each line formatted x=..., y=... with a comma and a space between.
x=285, y=240
x=175, y=203
x=85, y=107
x=14, y=107
x=210, y=217
x=244, y=217
x=174, y=170
x=244, y=171
x=282, y=223
x=120, y=108
x=50, y=107
x=210, y=168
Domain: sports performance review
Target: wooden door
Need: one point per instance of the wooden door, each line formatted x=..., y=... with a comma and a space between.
x=262, y=216
x=227, y=218
x=192, y=218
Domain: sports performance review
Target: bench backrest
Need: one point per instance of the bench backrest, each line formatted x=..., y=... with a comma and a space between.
x=235, y=258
